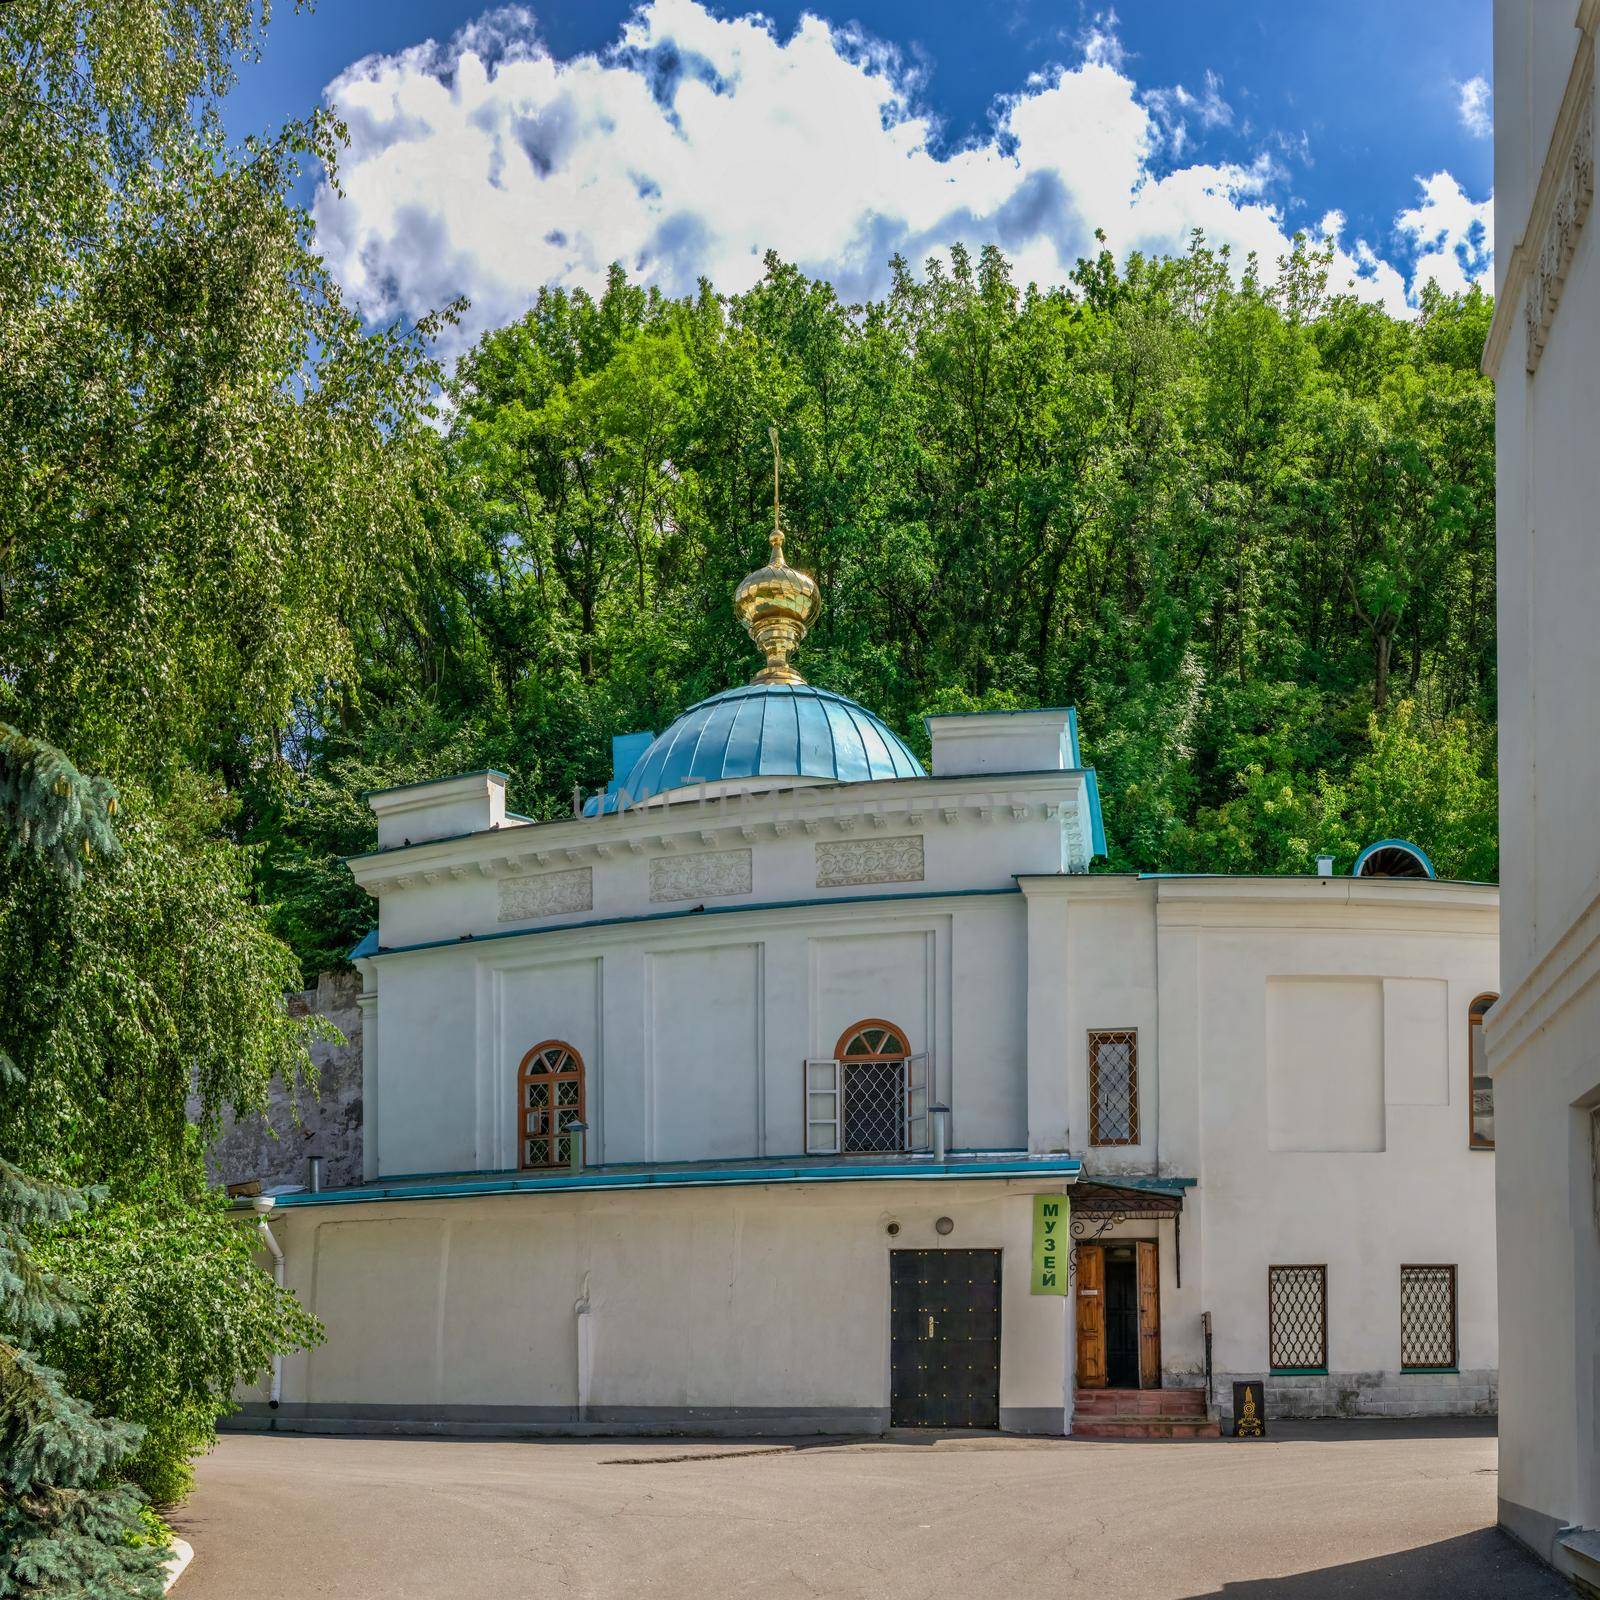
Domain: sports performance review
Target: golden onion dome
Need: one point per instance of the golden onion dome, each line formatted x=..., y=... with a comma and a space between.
x=777, y=603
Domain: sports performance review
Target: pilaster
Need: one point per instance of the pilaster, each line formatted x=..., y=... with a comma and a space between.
x=1049, y=1020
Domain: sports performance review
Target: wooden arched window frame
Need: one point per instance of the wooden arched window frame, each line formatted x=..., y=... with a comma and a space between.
x=874, y=1058
x=549, y=1099
x=1480, y=1086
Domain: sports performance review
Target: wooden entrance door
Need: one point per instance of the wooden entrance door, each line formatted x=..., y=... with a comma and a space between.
x=1090, y=1288
x=1149, y=1316
x=944, y=1338
x=1091, y=1294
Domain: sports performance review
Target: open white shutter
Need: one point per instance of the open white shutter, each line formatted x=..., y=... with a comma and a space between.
x=917, y=1121
x=822, y=1108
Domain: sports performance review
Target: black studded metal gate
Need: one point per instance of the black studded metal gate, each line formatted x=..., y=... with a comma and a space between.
x=944, y=1338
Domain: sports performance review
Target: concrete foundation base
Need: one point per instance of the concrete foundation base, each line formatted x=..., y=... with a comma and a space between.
x=1469, y=1393
x=532, y=1422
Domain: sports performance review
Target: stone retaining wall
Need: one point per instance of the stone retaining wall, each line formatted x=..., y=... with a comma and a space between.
x=273, y=1148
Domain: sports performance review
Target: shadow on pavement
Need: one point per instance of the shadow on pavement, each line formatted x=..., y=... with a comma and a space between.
x=1484, y=1565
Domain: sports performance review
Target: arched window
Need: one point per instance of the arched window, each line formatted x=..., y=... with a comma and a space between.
x=1480, y=1086
x=873, y=1062
x=550, y=1100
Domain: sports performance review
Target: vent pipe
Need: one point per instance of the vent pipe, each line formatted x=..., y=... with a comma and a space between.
x=939, y=1120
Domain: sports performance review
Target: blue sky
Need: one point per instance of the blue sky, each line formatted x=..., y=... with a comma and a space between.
x=494, y=150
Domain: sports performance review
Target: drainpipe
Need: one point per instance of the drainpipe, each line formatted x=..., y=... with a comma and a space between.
x=261, y=1205
x=585, y=1351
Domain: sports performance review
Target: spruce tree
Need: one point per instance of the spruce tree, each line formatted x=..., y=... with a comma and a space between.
x=67, y=1522
x=50, y=810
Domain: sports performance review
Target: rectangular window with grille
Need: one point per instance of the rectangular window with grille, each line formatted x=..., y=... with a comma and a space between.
x=1114, y=1086
x=1297, y=1319
x=1427, y=1319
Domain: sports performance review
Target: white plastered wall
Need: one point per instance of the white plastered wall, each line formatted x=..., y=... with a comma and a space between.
x=756, y=1308
x=693, y=1033
x=1364, y=1173
x=1350, y=1150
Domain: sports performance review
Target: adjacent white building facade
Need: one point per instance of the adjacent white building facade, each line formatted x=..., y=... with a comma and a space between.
x=1544, y=354
x=730, y=1103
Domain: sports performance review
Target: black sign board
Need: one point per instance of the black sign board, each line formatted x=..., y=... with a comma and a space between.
x=1249, y=1410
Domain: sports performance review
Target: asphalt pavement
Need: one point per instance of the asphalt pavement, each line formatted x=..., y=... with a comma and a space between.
x=1349, y=1510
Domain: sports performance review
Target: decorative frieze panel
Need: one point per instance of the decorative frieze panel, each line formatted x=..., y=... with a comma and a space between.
x=546, y=894
x=841, y=862
x=700, y=877
x=1573, y=197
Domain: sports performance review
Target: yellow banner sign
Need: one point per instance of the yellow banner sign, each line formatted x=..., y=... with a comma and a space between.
x=1050, y=1244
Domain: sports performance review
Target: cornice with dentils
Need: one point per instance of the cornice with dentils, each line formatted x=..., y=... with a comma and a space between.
x=688, y=823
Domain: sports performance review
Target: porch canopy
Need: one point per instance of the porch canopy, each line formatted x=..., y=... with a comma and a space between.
x=1101, y=1203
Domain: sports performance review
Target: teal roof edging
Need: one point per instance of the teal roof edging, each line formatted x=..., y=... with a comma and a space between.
x=669, y=916
x=1065, y=1169
x=1097, y=826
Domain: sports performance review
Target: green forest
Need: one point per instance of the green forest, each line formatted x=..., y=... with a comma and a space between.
x=1246, y=526
x=258, y=558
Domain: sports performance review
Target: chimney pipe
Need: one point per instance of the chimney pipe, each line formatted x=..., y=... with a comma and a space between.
x=939, y=1120
x=314, y=1174
x=576, y=1133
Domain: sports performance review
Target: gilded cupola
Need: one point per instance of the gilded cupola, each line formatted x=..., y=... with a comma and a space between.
x=777, y=726
x=777, y=603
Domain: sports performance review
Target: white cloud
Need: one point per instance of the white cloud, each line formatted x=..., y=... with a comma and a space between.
x=1101, y=44
x=1475, y=103
x=486, y=166
x=1453, y=235
x=1173, y=107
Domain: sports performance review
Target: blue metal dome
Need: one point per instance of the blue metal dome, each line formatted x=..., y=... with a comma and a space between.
x=770, y=730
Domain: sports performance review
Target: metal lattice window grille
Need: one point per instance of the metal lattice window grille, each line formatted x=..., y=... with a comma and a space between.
x=1427, y=1317
x=1114, y=1086
x=1297, y=1319
x=874, y=1106
x=873, y=1065
x=550, y=1100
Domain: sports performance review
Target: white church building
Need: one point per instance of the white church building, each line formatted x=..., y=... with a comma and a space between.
x=791, y=1088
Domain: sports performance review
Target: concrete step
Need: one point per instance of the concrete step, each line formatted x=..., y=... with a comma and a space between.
x=1140, y=1402
x=1145, y=1428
